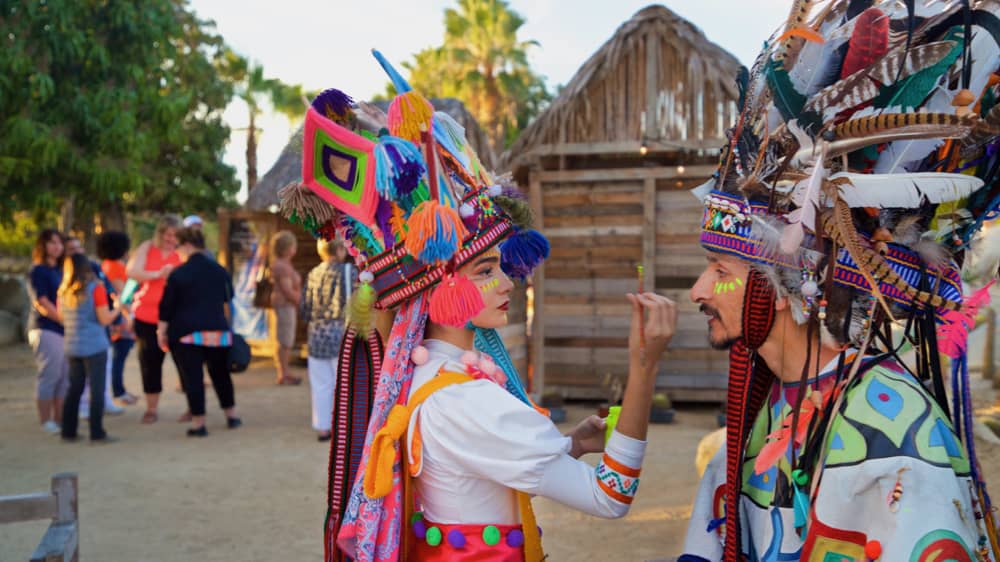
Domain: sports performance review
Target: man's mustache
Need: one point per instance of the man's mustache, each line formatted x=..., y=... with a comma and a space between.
x=714, y=312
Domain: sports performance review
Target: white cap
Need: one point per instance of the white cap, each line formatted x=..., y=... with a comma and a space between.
x=192, y=220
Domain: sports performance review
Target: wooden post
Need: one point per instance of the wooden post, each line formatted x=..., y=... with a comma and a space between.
x=538, y=290
x=649, y=233
x=64, y=488
x=653, y=86
x=225, y=256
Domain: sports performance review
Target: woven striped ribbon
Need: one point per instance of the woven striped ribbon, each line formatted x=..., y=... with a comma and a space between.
x=749, y=381
x=360, y=361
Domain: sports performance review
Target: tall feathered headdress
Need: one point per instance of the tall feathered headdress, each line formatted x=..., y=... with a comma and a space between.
x=862, y=165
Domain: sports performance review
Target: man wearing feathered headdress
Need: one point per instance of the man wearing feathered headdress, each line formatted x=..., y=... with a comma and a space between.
x=862, y=165
x=454, y=447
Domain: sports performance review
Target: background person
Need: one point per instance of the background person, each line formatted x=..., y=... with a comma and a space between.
x=112, y=249
x=45, y=331
x=195, y=325
x=150, y=265
x=324, y=302
x=284, y=300
x=83, y=307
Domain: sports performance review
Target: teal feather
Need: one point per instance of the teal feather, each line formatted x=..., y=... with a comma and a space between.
x=913, y=90
x=788, y=101
x=801, y=505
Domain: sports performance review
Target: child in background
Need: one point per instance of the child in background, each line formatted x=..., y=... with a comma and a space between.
x=112, y=249
x=83, y=307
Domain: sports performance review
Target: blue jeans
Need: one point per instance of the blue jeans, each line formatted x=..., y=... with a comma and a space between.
x=119, y=352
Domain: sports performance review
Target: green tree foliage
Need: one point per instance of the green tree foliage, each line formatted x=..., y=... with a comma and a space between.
x=110, y=105
x=484, y=64
x=254, y=89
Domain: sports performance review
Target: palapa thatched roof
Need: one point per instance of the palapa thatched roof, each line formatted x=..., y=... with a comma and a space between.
x=288, y=168
x=606, y=100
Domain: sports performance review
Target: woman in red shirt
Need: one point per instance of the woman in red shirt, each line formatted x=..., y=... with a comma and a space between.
x=150, y=265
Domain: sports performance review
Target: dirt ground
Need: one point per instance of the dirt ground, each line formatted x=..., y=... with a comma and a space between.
x=258, y=492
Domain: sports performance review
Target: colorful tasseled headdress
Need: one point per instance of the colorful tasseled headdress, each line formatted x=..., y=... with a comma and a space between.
x=410, y=198
x=413, y=202
x=862, y=166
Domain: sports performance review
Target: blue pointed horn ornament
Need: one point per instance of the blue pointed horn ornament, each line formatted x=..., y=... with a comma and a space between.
x=398, y=82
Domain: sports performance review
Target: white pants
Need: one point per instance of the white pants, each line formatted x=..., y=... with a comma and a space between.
x=323, y=385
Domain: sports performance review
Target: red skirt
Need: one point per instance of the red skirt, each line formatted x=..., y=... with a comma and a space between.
x=434, y=542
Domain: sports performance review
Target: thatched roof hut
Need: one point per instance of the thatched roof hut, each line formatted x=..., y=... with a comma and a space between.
x=608, y=166
x=288, y=167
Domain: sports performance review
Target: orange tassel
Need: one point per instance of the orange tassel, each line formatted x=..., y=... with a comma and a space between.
x=434, y=232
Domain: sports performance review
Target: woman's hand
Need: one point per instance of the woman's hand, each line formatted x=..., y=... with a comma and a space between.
x=588, y=437
x=660, y=325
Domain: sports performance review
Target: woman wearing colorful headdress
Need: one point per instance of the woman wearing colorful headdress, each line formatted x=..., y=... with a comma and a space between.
x=834, y=228
x=454, y=447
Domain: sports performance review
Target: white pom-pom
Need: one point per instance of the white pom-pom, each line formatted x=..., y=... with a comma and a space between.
x=494, y=190
x=366, y=277
x=810, y=289
x=466, y=210
x=419, y=355
x=469, y=358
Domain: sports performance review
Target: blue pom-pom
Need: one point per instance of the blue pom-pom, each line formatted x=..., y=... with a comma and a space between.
x=399, y=167
x=522, y=253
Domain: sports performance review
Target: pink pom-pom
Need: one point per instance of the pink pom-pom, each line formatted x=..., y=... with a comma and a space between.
x=455, y=301
x=469, y=358
x=419, y=355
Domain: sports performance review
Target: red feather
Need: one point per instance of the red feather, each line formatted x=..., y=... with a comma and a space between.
x=869, y=41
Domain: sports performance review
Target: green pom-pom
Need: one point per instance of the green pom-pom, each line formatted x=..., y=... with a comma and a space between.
x=518, y=210
x=417, y=516
x=491, y=535
x=359, y=311
x=800, y=477
x=433, y=536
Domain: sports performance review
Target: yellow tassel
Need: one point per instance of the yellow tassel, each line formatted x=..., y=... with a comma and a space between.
x=409, y=114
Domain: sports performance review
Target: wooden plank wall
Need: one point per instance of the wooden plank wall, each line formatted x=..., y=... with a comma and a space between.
x=601, y=225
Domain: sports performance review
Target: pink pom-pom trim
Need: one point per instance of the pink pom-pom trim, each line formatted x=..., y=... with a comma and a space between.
x=419, y=355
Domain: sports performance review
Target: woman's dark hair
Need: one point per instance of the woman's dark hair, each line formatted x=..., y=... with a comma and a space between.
x=112, y=245
x=38, y=252
x=192, y=236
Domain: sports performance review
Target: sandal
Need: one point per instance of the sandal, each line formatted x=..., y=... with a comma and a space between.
x=149, y=417
x=289, y=381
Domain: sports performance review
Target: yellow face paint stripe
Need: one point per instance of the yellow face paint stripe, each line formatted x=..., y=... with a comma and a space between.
x=490, y=285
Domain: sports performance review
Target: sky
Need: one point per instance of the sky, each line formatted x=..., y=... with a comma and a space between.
x=327, y=43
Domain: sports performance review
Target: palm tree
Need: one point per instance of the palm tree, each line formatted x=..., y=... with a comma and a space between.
x=253, y=88
x=483, y=63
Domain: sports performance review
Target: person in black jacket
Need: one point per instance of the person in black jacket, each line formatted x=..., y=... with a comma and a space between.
x=194, y=326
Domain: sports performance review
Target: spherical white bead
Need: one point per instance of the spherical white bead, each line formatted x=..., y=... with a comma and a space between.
x=366, y=277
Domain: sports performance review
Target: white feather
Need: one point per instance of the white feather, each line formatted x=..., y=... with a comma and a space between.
x=902, y=155
x=905, y=191
x=818, y=63
x=702, y=191
x=793, y=235
x=984, y=54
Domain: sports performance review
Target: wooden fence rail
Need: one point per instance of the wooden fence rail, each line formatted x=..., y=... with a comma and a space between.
x=61, y=540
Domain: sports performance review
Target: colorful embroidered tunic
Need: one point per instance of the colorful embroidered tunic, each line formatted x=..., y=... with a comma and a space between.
x=472, y=446
x=893, y=478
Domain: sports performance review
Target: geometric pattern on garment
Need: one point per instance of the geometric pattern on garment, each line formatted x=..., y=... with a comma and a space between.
x=889, y=415
x=941, y=545
x=826, y=543
x=616, y=480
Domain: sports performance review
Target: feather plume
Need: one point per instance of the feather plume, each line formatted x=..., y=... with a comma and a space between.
x=906, y=155
x=907, y=231
x=869, y=41
x=865, y=84
x=912, y=91
x=817, y=64
x=983, y=131
x=907, y=191
x=874, y=121
x=793, y=235
x=370, y=116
